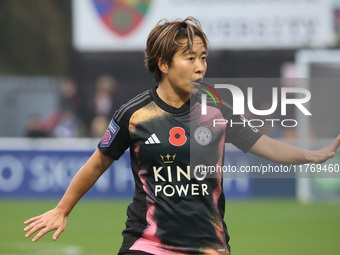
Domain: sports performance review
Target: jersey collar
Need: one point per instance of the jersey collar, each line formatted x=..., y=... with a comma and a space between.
x=168, y=108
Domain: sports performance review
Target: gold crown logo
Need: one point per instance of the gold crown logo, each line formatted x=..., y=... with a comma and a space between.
x=168, y=158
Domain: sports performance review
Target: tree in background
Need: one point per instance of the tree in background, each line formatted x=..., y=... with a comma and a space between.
x=35, y=37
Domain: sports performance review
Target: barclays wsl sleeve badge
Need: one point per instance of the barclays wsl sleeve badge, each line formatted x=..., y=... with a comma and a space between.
x=110, y=134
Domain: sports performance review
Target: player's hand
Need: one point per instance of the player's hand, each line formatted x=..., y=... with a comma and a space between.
x=320, y=156
x=52, y=220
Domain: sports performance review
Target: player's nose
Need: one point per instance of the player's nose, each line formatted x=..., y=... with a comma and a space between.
x=200, y=67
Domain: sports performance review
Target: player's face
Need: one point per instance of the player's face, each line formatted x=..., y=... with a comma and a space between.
x=188, y=66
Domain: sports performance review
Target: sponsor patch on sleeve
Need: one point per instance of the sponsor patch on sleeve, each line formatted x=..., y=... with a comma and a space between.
x=110, y=134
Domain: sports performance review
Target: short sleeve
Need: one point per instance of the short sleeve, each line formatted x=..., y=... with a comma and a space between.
x=115, y=140
x=240, y=134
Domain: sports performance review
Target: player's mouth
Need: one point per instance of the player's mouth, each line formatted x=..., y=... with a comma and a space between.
x=196, y=82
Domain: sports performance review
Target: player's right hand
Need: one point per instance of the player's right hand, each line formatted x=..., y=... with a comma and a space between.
x=54, y=219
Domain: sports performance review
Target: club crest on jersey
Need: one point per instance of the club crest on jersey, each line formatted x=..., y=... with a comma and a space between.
x=203, y=135
x=121, y=16
x=110, y=134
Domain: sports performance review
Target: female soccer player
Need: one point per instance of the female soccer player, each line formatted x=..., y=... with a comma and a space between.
x=175, y=209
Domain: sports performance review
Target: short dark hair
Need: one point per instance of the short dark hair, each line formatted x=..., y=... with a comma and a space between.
x=166, y=38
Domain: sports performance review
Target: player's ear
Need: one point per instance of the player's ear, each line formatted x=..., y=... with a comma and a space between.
x=163, y=66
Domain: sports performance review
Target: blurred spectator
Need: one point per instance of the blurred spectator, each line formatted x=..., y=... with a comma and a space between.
x=35, y=127
x=69, y=97
x=106, y=86
x=67, y=125
x=65, y=122
x=98, y=126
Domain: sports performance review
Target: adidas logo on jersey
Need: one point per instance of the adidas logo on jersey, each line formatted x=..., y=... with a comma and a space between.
x=153, y=139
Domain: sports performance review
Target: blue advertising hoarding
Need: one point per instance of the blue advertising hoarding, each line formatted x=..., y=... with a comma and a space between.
x=46, y=172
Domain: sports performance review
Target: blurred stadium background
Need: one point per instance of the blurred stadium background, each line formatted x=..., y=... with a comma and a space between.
x=66, y=66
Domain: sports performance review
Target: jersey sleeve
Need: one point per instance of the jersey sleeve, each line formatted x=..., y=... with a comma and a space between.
x=238, y=132
x=241, y=135
x=115, y=140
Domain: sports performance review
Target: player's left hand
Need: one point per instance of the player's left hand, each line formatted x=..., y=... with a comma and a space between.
x=54, y=219
x=320, y=156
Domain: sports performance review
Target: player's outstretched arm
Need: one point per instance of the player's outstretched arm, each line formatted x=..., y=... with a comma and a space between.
x=284, y=153
x=56, y=218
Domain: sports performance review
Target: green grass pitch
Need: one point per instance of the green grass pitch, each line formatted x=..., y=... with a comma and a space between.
x=257, y=227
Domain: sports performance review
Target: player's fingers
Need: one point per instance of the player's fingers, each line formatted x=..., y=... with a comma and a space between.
x=328, y=156
x=32, y=220
x=34, y=229
x=336, y=144
x=41, y=233
x=32, y=225
x=57, y=233
x=319, y=159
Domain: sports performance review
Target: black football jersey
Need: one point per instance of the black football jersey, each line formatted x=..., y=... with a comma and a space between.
x=176, y=208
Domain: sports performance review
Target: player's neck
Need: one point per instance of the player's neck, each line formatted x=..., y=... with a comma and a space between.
x=171, y=97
